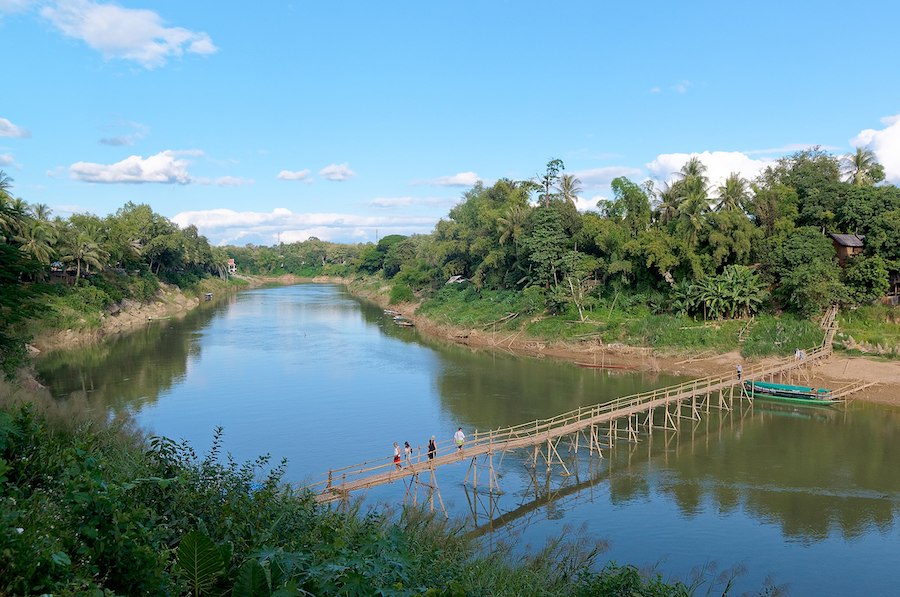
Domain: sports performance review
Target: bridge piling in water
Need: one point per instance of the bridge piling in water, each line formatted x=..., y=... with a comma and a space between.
x=681, y=401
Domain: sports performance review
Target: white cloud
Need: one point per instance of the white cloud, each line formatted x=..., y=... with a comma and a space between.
x=125, y=33
x=409, y=201
x=224, y=226
x=656, y=89
x=164, y=167
x=462, y=179
x=596, y=177
x=885, y=144
x=681, y=86
x=6, y=159
x=788, y=149
x=337, y=172
x=225, y=181
x=8, y=129
x=15, y=5
x=719, y=164
x=136, y=132
x=582, y=204
x=294, y=175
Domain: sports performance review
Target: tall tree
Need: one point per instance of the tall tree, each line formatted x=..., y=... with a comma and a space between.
x=512, y=224
x=569, y=187
x=861, y=168
x=630, y=204
x=549, y=179
x=82, y=250
x=733, y=194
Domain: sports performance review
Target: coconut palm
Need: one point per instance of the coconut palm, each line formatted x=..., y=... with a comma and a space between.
x=862, y=168
x=37, y=240
x=691, y=211
x=82, y=250
x=733, y=194
x=5, y=185
x=12, y=211
x=569, y=186
x=667, y=208
x=513, y=224
x=40, y=211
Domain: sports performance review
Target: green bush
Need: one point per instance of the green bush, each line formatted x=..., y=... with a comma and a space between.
x=90, y=509
x=401, y=293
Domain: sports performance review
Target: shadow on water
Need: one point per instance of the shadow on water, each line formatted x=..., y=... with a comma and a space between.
x=311, y=374
x=781, y=465
x=133, y=368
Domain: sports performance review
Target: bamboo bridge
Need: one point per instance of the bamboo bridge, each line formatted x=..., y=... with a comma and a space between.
x=593, y=428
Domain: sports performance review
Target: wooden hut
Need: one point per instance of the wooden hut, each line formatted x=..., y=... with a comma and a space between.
x=846, y=246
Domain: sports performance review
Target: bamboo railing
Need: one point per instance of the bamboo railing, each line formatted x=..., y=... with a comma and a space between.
x=367, y=474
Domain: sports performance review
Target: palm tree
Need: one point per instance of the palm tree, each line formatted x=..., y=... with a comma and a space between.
x=733, y=194
x=513, y=225
x=82, y=250
x=40, y=211
x=5, y=185
x=37, y=240
x=667, y=209
x=12, y=211
x=569, y=186
x=862, y=168
x=693, y=168
x=691, y=212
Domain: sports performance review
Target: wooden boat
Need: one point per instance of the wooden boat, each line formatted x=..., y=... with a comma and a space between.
x=788, y=393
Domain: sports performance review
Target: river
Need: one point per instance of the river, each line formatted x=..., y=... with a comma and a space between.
x=802, y=499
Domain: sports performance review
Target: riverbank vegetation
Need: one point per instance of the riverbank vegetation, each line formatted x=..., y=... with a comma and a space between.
x=58, y=274
x=91, y=507
x=684, y=265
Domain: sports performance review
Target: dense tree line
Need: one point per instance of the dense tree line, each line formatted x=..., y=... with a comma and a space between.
x=94, y=261
x=684, y=247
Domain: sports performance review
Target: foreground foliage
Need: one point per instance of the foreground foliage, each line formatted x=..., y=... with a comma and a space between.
x=87, y=506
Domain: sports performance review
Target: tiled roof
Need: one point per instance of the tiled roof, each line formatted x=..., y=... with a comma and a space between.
x=848, y=240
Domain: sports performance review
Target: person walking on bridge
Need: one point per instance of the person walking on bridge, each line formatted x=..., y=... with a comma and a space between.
x=459, y=437
x=432, y=448
x=397, y=456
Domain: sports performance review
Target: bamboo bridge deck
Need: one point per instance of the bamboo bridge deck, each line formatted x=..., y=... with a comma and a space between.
x=605, y=422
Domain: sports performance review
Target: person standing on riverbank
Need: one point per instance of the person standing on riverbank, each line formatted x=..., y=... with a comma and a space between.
x=459, y=437
x=432, y=448
x=397, y=456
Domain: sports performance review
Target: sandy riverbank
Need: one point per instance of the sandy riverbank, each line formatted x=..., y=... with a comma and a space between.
x=834, y=372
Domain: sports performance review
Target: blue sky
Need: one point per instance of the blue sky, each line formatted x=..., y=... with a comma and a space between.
x=353, y=120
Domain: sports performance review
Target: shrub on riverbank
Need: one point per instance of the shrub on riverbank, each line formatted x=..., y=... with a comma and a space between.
x=88, y=506
x=625, y=320
x=873, y=329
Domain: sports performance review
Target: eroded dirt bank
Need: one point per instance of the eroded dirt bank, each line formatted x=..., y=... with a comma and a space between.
x=836, y=371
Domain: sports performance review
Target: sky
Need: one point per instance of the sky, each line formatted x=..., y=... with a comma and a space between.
x=276, y=121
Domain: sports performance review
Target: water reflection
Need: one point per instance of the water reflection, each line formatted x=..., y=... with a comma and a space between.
x=311, y=374
x=129, y=370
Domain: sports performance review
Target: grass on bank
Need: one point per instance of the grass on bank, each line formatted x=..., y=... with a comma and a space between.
x=90, y=507
x=619, y=321
x=872, y=326
x=83, y=307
